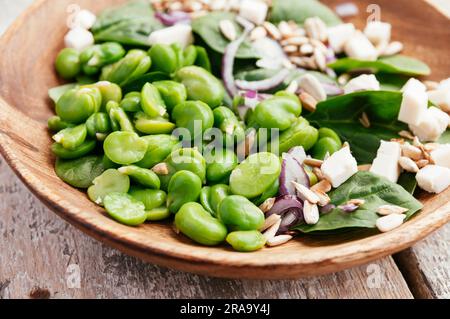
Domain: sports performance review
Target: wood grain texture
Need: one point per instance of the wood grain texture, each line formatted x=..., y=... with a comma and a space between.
x=34, y=166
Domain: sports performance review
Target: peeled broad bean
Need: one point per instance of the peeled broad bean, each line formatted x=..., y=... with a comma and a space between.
x=109, y=91
x=110, y=181
x=80, y=151
x=184, y=187
x=152, y=198
x=151, y=101
x=323, y=146
x=131, y=102
x=278, y=112
x=299, y=134
x=152, y=125
x=93, y=58
x=142, y=176
x=246, y=241
x=135, y=63
x=125, y=148
x=125, y=209
x=98, y=123
x=55, y=124
x=195, y=116
x=220, y=164
x=204, y=199
x=71, y=137
x=164, y=58
x=217, y=194
x=238, y=213
x=327, y=132
x=173, y=93
x=76, y=105
x=159, y=147
x=119, y=119
x=228, y=123
x=68, y=63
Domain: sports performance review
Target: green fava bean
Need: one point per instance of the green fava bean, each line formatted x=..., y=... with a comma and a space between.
x=68, y=63
x=80, y=151
x=143, y=176
x=152, y=198
x=204, y=199
x=184, y=187
x=159, y=147
x=189, y=55
x=238, y=213
x=327, y=132
x=76, y=105
x=255, y=175
x=132, y=65
x=125, y=209
x=246, y=241
x=299, y=134
x=191, y=115
x=164, y=58
x=220, y=165
x=277, y=112
x=110, y=181
x=125, y=148
x=119, y=119
x=131, y=102
x=95, y=57
x=173, y=93
x=152, y=102
x=201, y=85
x=109, y=91
x=188, y=159
x=158, y=213
x=98, y=123
x=55, y=124
x=312, y=177
x=323, y=146
x=228, y=123
x=272, y=191
x=197, y=224
x=152, y=125
x=80, y=172
x=202, y=59
x=217, y=194
x=72, y=137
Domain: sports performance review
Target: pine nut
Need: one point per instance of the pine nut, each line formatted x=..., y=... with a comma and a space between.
x=408, y=164
x=390, y=222
x=278, y=240
x=270, y=221
x=310, y=213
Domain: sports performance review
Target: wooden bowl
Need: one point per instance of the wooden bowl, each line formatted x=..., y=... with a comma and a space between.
x=27, y=52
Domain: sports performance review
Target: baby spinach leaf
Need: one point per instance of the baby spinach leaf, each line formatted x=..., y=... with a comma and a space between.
x=408, y=182
x=391, y=82
x=397, y=64
x=129, y=24
x=342, y=114
x=375, y=191
x=300, y=10
x=207, y=27
x=58, y=91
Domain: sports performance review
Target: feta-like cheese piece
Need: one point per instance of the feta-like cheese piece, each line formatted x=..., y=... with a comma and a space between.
x=79, y=39
x=386, y=166
x=179, y=33
x=339, y=167
x=433, y=123
x=364, y=82
x=378, y=32
x=441, y=156
x=84, y=19
x=359, y=47
x=440, y=97
x=444, y=84
x=414, y=85
x=393, y=149
x=254, y=11
x=339, y=35
x=413, y=107
x=433, y=178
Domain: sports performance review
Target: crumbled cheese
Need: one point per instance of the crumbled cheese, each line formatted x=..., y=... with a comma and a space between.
x=440, y=97
x=180, y=33
x=339, y=167
x=441, y=156
x=432, y=124
x=378, y=32
x=386, y=162
x=339, y=35
x=364, y=82
x=413, y=107
x=390, y=148
x=79, y=39
x=254, y=11
x=433, y=178
x=84, y=19
x=359, y=47
x=414, y=85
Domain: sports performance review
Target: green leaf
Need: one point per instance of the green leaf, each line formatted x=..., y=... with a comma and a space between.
x=58, y=91
x=391, y=82
x=397, y=64
x=445, y=138
x=300, y=10
x=342, y=114
x=375, y=191
x=408, y=182
x=129, y=24
x=207, y=27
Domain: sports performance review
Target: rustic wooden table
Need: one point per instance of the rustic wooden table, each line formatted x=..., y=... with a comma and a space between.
x=41, y=256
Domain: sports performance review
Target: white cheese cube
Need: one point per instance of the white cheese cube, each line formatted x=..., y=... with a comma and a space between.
x=414, y=105
x=433, y=178
x=378, y=32
x=79, y=39
x=433, y=123
x=359, y=47
x=441, y=156
x=180, y=33
x=440, y=97
x=254, y=11
x=390, y=148
x=339, y=35
x=386, y=166
x=364, y=82
x=339, y=167
x=444, y=84
x=414, y=85
x=84, y=19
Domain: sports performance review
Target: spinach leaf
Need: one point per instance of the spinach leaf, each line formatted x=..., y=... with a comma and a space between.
x=300, y=10
x=445, y=138
x=375, y=190
x=129, y=24
x=397, y=64
x=58, y=91
x=408, y=182
x=207, y=28
x=342, y=114
x=391, y=82
x=137, y=83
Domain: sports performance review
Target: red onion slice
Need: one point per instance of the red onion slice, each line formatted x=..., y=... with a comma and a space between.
x=283, y=204
x=170, y=19
x=332, y=89
x=291, y=171
x=266, y=84
x=327, y=208
x=298, y=153
x=348, y=208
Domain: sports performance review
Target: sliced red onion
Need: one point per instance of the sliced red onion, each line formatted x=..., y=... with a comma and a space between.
x=170, y=19
x=290, y=218
x=347, y=9
x=327, y=208
x=291, y=171
x=299, y=154
x=264, y=85
x=283, y=204
x=251, y=100
x=332, y=89
x=348, y=208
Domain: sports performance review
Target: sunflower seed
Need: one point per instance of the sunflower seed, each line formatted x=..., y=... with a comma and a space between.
x=392, y=48
x=322, y=186
x=318, y=172
x=364, y=120
x=324, y=199
x=390, y=222
x=161, y=169
x=408, y=164
x=411, y=151
x=258, y=33
x=306, y=49
x=431, y=85
x=406, y=134
x=267, y=205
x=313, y=162
x=285, y=29
x=278, y=240
x=293, y=87
x=311, y=85
x=228, y=30
x=270, y=221
x=343, y=79
x=272, y=30
x=290, y=48
x=305, y=193
x=422, y=163
x=321, y=60
x=391, y=209
x=416, y=141
x=430, y=147
x=316, y=29
x=310, y=213
x=272, y=230
x=308, y=102
x=358, y=202
x=295, y=41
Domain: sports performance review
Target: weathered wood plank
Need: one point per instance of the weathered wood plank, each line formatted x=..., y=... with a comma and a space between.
x=41, y=255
